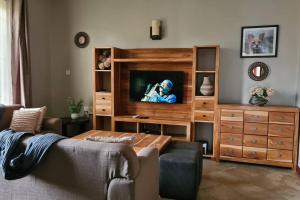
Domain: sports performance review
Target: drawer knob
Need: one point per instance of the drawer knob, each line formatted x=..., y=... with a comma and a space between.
x=103, y=98
x=280, y=129
x=281, y=117
x=103, y=109
x=204, y=103
x=254, y=141
x=254, y=129
x=254, y=153
x=203, y=115
x=231, y=139
x=280, y=155
x=232, y=127
x=280, y=142
x=232, y=115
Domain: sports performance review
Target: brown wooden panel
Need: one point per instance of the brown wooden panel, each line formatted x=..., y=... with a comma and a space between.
x=232, y=115
x=169, y=111
x=280, y=143
x=232, y=139
x=256, y=116
x=282, y=117
x=157, y=53
x=204, y=104
x=256, y=129
x=231, y=127
x=281, y=130
x=204, y=116
x=280, y=155
x=103, y=98
x=255, y=141
x=255, y=153
x=231, y=150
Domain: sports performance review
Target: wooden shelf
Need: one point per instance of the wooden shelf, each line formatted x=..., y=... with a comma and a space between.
x=180, y=138
x=99, y=70
x=202, y=121
x=206, y=72
x=170, y=60
x=151, y=120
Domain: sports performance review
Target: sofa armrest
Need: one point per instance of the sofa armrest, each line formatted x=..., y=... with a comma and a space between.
x=52, y=125
x=147, y=181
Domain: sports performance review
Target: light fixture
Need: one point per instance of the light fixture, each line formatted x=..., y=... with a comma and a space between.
x=155, y=30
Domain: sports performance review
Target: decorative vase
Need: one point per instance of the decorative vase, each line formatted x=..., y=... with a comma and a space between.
x=206, y=88
x=74, y=115
x=258, y=101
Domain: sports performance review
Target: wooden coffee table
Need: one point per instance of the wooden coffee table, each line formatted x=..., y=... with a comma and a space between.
x=141, y=140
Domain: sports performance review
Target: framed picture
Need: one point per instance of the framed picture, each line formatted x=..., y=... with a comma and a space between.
x=259, y=41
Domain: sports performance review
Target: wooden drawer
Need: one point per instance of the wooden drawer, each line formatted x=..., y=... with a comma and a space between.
x=282, y=118
x=231, y=127
x=256, y=116
x=280, y=155
x=103, y=98
x=256, y=129
x=255, y=141
x=231, y=150
x=204, y=104
x=232, y=139
x=204, y=116
x=103, y=109
x=280, y=143
x=255, y=153
x=281, y=130
x=232, y=115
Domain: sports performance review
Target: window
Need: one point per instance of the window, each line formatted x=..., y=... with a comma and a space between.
x=5, y=59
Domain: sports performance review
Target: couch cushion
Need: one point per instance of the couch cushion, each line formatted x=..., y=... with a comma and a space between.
x=24, y=121
x=42, y=112
x=7, y=116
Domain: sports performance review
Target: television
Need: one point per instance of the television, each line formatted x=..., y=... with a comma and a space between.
x=156, y=86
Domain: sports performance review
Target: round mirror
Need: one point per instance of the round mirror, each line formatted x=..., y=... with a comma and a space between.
x=258, y=71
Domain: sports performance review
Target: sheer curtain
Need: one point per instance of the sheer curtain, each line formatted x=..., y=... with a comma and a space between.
x=5, y=55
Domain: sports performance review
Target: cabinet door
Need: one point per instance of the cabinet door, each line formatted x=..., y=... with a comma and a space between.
x=232, y=115
x=256, y=116
x=255, y=153
x=256, y=129
x=280, y=155
x=232, y=139
x=282, y=118
x=280, y=143
x=231, y=127
x=255, y=141
x=231, y=150
x=280, y=130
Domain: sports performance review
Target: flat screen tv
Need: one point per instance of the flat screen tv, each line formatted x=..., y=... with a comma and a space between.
x=156, y=86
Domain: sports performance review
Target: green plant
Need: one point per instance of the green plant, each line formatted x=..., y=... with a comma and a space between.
x=75, y=107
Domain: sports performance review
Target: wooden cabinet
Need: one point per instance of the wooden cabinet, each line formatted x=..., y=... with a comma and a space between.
x=261, y=135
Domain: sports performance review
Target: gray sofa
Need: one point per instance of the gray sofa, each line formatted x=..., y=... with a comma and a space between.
x=86, y=170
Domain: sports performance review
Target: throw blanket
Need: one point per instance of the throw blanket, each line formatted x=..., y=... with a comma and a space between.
x=15, y=163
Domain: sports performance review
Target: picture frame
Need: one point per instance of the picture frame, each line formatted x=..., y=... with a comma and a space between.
x=82, y=39
x=259, y=41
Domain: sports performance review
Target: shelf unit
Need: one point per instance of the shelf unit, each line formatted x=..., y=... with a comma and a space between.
x=114, y=111
x=206, y=64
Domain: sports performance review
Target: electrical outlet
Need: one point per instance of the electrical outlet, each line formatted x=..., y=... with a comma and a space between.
x=68, y=72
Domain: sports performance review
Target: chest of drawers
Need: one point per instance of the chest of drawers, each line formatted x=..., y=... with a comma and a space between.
x=259, y=135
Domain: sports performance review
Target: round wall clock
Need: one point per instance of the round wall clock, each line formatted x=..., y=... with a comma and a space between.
x=82, y=39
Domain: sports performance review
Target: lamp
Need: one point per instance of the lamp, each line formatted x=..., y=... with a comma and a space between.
x=155, y=30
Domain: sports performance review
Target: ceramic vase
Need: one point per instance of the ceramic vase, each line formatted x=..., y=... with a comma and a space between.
x=74, y=115
x=206, y=88
x=258, y=101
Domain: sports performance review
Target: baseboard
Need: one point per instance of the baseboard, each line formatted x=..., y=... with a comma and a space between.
x=298, y=169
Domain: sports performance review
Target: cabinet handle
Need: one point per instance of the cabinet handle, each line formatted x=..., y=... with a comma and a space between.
x=203, y=115
x=254, y=141
x=281, y=117
x=254, y=129
x=103, y=98
x=280, y=155
x=280, y=129
x=204, y=103
x=231, y=139
x=232, y=115
x=280, y=142
x=103, y=109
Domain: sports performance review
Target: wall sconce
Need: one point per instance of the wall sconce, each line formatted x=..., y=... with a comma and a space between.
x=155, y=30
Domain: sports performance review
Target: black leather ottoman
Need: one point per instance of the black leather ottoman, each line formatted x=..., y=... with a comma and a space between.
x=181, y=171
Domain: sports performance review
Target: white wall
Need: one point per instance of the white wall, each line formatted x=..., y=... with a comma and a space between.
x=125, y=24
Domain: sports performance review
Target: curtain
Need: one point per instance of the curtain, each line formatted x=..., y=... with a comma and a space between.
x=5, y=55
x=20, y=60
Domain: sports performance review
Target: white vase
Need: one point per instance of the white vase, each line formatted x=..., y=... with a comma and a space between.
x=206, y=88
x=74, y=115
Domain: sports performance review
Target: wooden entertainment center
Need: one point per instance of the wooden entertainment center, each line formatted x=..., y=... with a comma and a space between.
x=113, y=110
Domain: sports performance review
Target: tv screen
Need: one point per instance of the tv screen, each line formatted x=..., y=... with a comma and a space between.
x=156, y=86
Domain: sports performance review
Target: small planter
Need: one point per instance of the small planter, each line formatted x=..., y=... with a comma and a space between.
x=74, y=115
x=258, y=101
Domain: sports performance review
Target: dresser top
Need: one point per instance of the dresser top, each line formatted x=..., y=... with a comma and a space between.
x=263, y=108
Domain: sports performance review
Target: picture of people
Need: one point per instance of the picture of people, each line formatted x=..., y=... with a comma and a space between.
x=162, y=95
x=259, y=41
x=156, y=86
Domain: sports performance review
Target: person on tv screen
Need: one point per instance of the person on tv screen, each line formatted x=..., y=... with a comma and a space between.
x=162, y=95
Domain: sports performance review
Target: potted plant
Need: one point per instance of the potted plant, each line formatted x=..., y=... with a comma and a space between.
x=260, y=95
x=75, y=107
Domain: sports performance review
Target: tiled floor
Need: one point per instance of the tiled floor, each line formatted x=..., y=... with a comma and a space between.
x=234, y=181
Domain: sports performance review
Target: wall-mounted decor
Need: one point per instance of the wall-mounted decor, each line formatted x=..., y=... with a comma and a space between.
x=259, y=41
x=258, y=71
x=82, y=39
x=155, y=30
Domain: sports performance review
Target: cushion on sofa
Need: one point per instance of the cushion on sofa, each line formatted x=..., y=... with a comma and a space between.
x=42, y=112
x=24, y=121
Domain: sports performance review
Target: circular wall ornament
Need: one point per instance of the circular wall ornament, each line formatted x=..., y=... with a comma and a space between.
x=82, y=39
x=258, y=71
